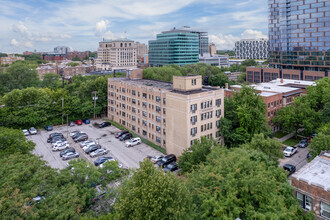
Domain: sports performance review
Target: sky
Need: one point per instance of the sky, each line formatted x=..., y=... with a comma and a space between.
x=26, y=25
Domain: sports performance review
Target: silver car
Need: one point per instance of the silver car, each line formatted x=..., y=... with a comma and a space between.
x=98, y=152
x=85, y=143
x=25, y=132
x=70, y=155
x=32, y=130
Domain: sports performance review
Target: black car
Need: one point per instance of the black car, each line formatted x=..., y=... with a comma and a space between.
x=290, y=168
x=101, y=160
x=78, y=135
x=171, y=167
x=57, y=138
x=308, y=155
x=83, y=137
x=48, y=128
x=166, y=160
x=54, y=136
x=92, y=148
x=104, y=124
x=70, y=149
x=125, y=136
x=120, y=133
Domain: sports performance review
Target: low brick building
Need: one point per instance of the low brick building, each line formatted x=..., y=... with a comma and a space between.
x=67, y=71
x=312, y=186
x=80, y=55
x=10, y=59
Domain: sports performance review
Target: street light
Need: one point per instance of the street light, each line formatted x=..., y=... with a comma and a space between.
x=94, y=98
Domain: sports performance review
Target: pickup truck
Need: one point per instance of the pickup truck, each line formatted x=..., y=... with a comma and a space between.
x=289, y=151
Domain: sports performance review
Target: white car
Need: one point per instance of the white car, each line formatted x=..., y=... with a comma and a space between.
x=25, y=132
x=98, y=152
x=32, y=130
x=88, y=145
x=59, y=143
x=85, y=143
x=155, y=159
x=60, y=147
x=289, y=151
x=133, y=142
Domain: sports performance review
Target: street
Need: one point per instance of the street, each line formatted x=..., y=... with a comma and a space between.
x=298, y=159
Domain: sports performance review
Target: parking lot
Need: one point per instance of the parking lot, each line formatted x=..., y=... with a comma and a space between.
x=298, y=159
x=128, y=157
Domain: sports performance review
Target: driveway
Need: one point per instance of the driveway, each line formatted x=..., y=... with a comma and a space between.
x=298, y=159
x=128, y=157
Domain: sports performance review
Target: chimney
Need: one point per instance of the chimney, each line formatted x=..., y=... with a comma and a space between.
x=281, y=80
x=226, y=85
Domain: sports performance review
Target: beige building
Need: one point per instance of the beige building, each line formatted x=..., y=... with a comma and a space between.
x=141, y=50
x=212, y=49
x=169, y=115
x=116, y=54
x=10, y=59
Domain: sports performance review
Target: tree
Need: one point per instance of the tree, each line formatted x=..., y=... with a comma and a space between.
x=319, y=95
x=321, y=142
x=241, y=183
x=51, y=80
x=76, y=58
x=195, y=154
x=153, y=195
x=326, y=112
x=241, y=78
x=249, y=62
x=271, y=148
x=245, y=115
x=298, y=115
x=219, y=79
x=12, y=141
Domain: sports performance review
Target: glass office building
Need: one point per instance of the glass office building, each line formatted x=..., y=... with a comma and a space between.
x=174, y=47
x=299, y=34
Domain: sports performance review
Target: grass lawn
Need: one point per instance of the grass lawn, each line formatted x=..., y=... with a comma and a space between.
x=291, y=142
x=280, y=134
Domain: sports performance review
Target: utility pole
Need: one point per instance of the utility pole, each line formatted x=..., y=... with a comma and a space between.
x=67, y=124
x=94, y=98
x=62, y=108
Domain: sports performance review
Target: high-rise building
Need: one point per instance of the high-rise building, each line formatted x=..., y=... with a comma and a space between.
x=299, y=36
x=252, y=49
x=116, y=54
x=171, y=115
x=141, y=50
x=212, y=49
x=62, y=50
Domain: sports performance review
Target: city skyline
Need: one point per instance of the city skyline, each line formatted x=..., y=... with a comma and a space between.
x=29, y=25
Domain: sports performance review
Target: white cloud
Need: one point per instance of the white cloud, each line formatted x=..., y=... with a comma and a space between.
x=101, y=27
x=28, y=44
x=20, y=28
x=224, y=42
x=112, y=36
x=14, y=42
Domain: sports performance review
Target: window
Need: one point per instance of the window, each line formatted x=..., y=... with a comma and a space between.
x=123, y=98
x=217, y=123
x=144, y=104
x=133, y=101
x=158, y=129
x=133, y=109
x=157, y=118
x=158, y=109
x=193, y=82
x=133, y=92
x=164, y=111
x=144, y=113
x=144, y=95
x=158, y=139
x=193, y=119
x=193, y=108
x=218, y=112
x=144, y=122
x=305, y=201
x=218, y=102
x=193, y=131
x=123, y=114
x=133, y=127
x=164, y=101
x=158, y=99
x=164, y=131
x=123, y=90
x=325, y=210
x=144, y=133
x=133, y=118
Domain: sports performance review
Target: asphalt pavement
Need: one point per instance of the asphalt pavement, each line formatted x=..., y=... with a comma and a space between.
x=299, y=159
x=128, y=157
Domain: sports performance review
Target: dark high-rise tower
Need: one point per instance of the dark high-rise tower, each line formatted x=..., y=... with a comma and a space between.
x=299, y=34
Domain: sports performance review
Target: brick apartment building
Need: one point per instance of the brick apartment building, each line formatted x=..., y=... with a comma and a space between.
x=67, y=71
x=80, y=55
x=54, y=57
x=169, y=115
x=276, y=95
x=312, y=186
x=10, y=59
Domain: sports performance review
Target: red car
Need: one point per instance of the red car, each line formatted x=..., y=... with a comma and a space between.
x=79, y=122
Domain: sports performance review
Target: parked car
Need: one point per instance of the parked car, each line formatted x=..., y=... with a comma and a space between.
x=303, y=143
x=59, y=143
x=98, y=152
x=92, y=148
x=289, y=151
x=313, y=135
x=82, y=137
x=79, y=122
x=104, y=124
x=78, y=134
x=166, y=160
x=70, y=155
x=71, y=123
x=155, y=159
x=86, y=121
x=59, y=147
x=75, y=132
x=101, y=160
x=88, y=145
x=70, y=149
x=125, y=137
x=133, y=142
x=171, y=167
x=120, y=133
x=84, y=143
x=308, y=156
x=49, y=128
x=32, y=130
x=55, y=134
x=57, y=139
x=25, y=132
x=290, y=168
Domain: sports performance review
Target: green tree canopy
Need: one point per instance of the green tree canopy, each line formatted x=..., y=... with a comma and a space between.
x=153, y=195
x=51, y=80
x=219, y=79
x=241, y=183
x=321, y=142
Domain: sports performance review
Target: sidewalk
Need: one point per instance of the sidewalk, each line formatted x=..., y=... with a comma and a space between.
x=286, y=137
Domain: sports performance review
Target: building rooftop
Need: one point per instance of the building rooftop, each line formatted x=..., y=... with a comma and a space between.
x=291, y=81
x=118, y=40
x=183, y=30
x=316, y=173
x=196, y=91
x=267, y=94
x=146, y=82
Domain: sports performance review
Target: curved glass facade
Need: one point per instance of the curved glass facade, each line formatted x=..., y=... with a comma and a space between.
x=299, y=34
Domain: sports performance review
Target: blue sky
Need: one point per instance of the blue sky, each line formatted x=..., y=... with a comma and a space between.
x=44, y=24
